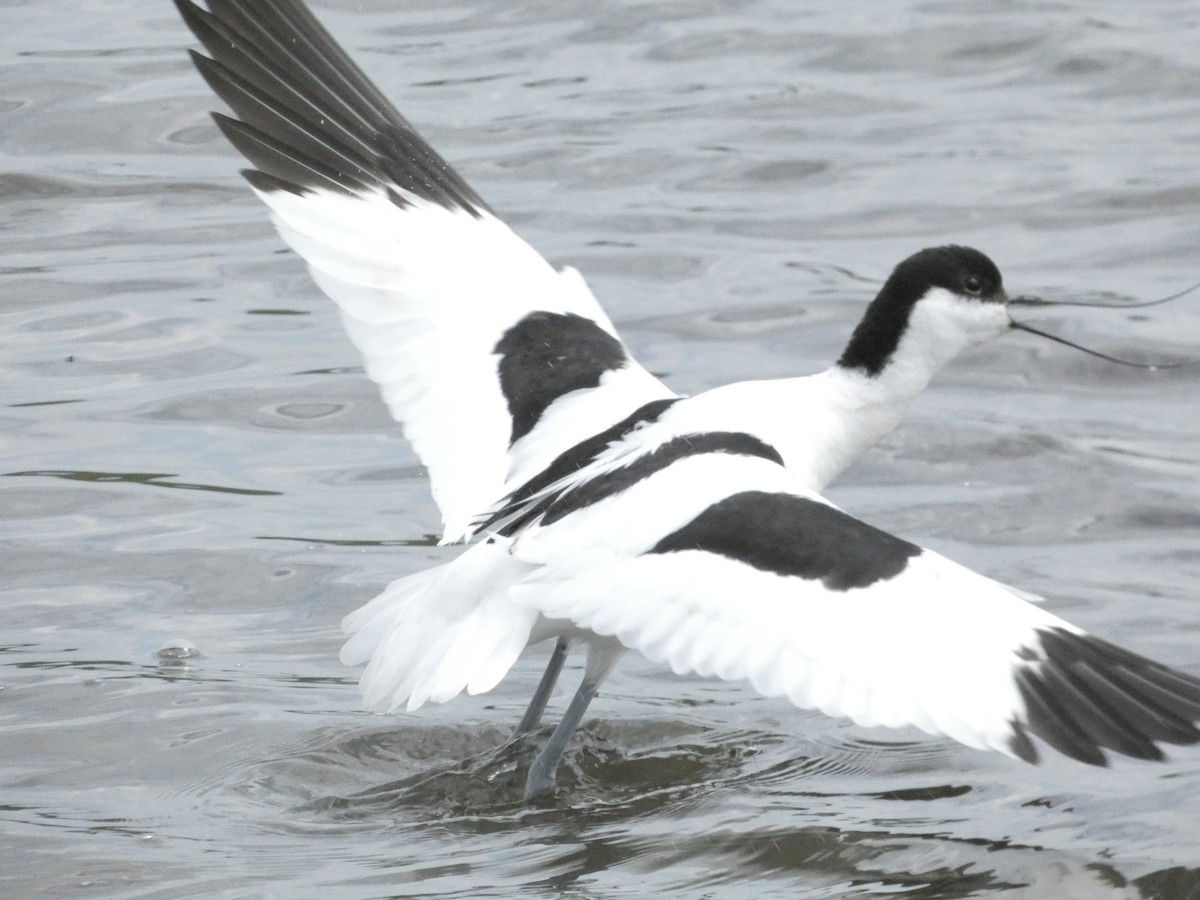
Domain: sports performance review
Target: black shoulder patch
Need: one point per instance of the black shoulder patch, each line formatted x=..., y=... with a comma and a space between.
x=307, y=115
x=567, y=463
x=1085, y=694
x=546, y=355
x=791, y=535
x=614, y=482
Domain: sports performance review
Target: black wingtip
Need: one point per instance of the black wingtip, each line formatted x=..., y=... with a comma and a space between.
x=188, y=11
x=1084, y=695
x=269, y=184
x=283, y=162
x=1021, y=746
x=311, y=117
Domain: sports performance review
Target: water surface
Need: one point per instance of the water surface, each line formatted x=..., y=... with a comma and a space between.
x=191, y=454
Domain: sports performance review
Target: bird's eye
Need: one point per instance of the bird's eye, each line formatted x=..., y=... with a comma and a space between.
x=973, y=285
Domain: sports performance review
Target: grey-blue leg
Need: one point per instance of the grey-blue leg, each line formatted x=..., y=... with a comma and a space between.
x=537, y=706
x=540, y=782
x=602, y=655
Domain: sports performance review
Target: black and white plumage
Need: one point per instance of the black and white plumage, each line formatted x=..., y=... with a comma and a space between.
x=608, y=510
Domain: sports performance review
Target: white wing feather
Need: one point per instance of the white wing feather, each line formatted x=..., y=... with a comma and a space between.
x=426, y=293
x=935, y=647
x=429, y=282
x=434, y=634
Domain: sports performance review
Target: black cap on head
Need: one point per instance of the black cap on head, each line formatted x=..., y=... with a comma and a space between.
x=959, y=270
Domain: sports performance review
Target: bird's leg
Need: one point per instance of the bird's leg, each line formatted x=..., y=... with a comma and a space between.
x=603, y=654
x=537, y=706
x=540, y=781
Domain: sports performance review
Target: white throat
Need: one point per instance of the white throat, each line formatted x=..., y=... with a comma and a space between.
x=822, y=423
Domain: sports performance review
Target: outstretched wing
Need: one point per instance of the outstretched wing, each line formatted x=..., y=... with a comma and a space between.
x=495, y=362
x=804, y=601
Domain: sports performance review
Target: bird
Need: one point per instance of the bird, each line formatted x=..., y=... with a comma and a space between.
x=602, y=509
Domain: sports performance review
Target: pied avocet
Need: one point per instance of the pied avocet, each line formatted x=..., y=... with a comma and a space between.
x=606, y=509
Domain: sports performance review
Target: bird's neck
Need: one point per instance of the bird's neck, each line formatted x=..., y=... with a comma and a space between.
x=871, y=406
x=836, y=416
x=866, y=402
x=820, y=424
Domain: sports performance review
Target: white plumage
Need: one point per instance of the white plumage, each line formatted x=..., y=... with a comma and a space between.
x=401, y=278
x=607, y=510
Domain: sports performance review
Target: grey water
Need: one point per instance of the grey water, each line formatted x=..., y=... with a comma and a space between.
x=198, y=482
